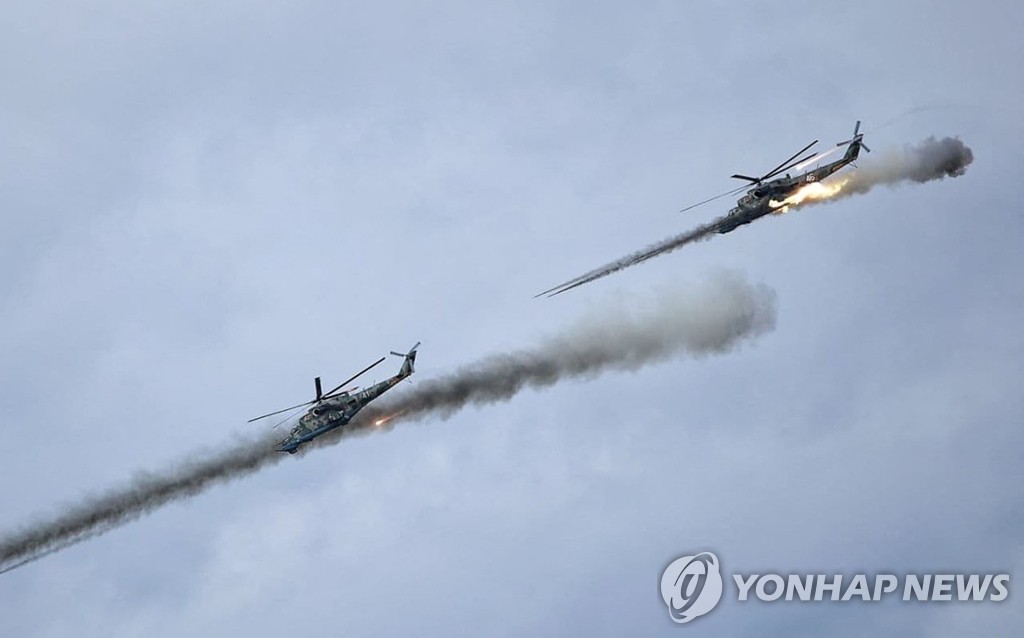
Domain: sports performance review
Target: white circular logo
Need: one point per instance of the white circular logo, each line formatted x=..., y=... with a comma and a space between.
x=691, y=586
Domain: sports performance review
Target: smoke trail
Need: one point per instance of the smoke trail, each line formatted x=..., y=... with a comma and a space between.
x=927, y=161
x=97, y=515
x=710, y=319
x=660, y=248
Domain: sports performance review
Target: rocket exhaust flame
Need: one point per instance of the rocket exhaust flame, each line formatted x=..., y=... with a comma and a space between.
x=387, y=418
x=812, y=191
x=709, y=319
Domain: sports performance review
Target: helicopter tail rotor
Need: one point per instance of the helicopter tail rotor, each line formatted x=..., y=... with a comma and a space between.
x=410, y=360
x=857, y=139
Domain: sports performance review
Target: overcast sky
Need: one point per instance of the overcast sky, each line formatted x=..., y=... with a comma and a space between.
x=204, y=208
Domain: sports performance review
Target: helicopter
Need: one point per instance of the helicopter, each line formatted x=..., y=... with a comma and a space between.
x=335, y=408
x=768, y=196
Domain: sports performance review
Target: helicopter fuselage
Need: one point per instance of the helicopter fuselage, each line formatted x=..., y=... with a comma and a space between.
x=337, y=411
x=758, y=201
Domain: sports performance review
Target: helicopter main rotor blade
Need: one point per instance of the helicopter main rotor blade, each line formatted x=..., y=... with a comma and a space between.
x=711, y=199
x=353, y=377
x=782, y=166
x=294, y=407
x=754, y=180
x=815, y=158
x=288, y=417
x=789, y=166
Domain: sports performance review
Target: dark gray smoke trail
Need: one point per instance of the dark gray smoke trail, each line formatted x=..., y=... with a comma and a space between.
x=707, y=320
x=710, y=320
x=148, y=491
x=930, y=160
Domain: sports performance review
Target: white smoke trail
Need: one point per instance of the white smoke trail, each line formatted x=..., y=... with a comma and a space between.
x=662, y=247
x=930, y=160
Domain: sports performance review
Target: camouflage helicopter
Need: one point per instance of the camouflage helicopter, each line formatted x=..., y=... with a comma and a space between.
x=337, y=407
x=765, y=196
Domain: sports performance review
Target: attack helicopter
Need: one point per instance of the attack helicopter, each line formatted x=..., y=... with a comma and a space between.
x=769, y=196
x=335, y=408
